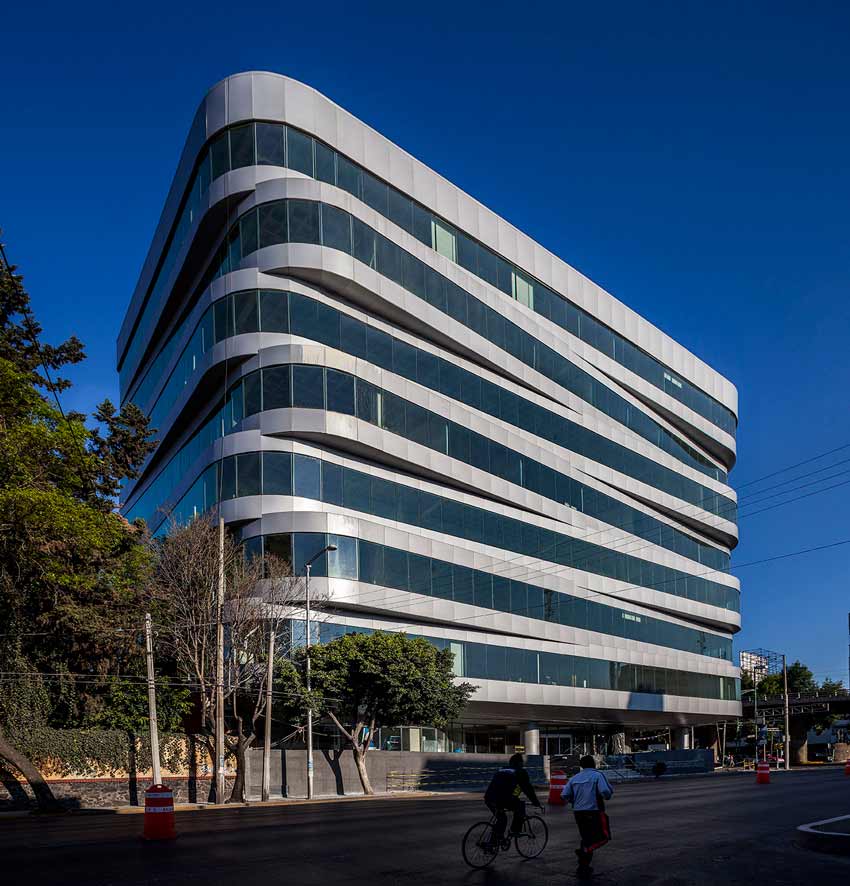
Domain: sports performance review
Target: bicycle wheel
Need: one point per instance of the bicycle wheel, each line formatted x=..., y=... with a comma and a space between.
x=476, y=851
x=534, y=837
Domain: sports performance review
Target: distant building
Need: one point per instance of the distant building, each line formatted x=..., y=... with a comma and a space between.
x=338, y=345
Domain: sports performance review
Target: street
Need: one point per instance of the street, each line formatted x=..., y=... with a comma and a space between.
x=722, y=829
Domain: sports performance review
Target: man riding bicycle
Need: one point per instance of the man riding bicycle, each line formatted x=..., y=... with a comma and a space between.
x=503, y=794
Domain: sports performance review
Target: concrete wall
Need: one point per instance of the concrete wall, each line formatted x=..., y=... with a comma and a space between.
x=336, y=775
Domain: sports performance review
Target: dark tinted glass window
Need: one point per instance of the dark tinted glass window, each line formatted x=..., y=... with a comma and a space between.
x=336, y=228
x=384, y=498
x=380, y=348
x=393, y=413
x=299, y=151
x=273, y=227
x=389, y=260
x=274, y=313
x=428, y=370
x=441, y=579
x=364, y=243
x=325, y=165
x=242, y=146
x=251, y=387
x=277, y=473
x=245, y=308
x=421, y=224
x=269, y=144
x=228, y=478
x=371, y=557
x=467, y=253
x=404, y=359
x=248, y=232
x=303, y=221
x=304, y=316
x=276, y=392
x=419, y=569
x=279, y=546
x=248, y=473
x=340, y=387
x=332, y=483
x=356, y=490
x=348, y=176
x=399, y=209
x=220, y=155
x=307, y=387
x=395, y=569
x=352, y=332
x=462, y=578
x=223, y=318
x=307, y=477
x=367, y=402
x=305, y=546
x=375, y=193
x=413, y=274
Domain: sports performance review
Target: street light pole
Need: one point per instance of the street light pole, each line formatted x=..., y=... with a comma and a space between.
x=307, y=567
x=787, y=716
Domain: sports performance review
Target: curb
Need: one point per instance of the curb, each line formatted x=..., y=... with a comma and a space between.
x=832, y=842
x=251, y=804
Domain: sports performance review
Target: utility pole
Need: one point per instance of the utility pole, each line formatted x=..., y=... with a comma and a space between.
x=307, y=568
x=219, y=671
x=267, y=740
x=157, y=774
x=309, y=687
x=787, y=715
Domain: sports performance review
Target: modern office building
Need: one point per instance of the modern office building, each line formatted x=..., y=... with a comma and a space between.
x=338, y=345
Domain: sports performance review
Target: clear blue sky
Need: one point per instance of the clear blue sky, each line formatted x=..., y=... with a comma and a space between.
x=692, y=158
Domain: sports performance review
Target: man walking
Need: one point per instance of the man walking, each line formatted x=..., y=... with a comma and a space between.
x=587, y=792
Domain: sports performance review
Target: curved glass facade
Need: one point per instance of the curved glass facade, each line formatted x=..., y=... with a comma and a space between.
x=488, y=662
x=426, y=427
x=281, y=473
x=274, y=144
x=380, y=565
x=306, y=229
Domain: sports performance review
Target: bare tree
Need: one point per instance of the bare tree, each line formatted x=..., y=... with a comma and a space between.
x=261, y=596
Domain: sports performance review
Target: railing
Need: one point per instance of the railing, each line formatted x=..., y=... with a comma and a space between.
x=814, y=695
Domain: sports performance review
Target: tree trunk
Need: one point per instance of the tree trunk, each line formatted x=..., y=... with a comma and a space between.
x=40, y=788
x=360, y=763
x=237, y=795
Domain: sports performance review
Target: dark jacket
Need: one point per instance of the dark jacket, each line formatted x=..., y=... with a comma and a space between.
x=507, y=785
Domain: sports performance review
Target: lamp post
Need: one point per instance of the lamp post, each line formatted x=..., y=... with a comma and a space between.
x=307, y=566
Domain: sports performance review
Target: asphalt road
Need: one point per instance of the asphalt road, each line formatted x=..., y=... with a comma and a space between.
x=724, y=829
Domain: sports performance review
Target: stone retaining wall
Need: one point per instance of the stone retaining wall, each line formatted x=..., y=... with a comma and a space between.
x=89, y=793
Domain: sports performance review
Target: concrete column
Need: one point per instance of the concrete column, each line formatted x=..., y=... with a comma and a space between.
x=531, y=738
x=682, y=738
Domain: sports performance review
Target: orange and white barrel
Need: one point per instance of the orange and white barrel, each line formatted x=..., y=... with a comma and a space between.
x=159, y=813
x=557, y=782
x=763, y=773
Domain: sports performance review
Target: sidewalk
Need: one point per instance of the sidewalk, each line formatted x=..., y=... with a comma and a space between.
x=831, y=835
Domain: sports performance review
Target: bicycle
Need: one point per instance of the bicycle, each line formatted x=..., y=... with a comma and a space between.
x=479, y=849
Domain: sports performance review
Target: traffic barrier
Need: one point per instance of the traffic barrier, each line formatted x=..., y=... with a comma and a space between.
x=557, y=782
x=847, y=768
x=159, y=813
x=763, y=773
